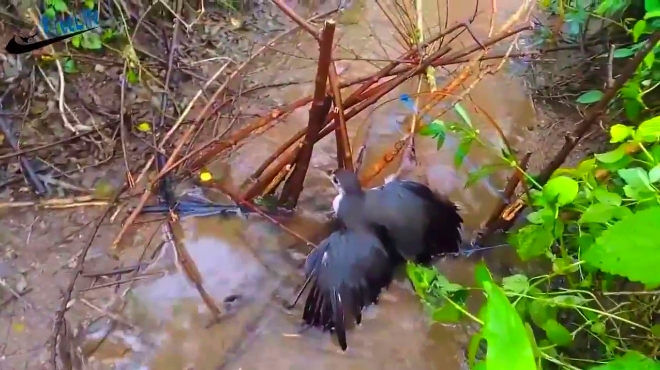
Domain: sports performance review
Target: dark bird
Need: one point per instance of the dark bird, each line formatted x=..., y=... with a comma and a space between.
x=382, y=228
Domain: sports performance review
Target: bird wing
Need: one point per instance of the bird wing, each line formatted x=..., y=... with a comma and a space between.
x=443, y=231
x=420, y=223
x=401, y=214
x=348, y=270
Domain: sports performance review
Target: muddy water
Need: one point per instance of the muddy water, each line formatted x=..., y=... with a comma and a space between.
x=257, y=260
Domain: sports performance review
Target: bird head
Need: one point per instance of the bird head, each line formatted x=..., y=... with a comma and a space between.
x=345, y=181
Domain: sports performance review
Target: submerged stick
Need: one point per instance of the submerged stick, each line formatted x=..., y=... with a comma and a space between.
x=317, y=115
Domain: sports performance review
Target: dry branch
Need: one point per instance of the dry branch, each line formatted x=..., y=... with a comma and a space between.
x=317, y=116
x=344, y=150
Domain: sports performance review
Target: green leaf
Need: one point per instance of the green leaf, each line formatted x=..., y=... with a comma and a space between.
x=557, y=333
x=109, y=33
x=654, y=174
x=132, y=77
x=532, y=240
x=622, y=212
x=649, y=130
x=431, y=129
x=508, y=345
x=623, y=53
x=619, y=133
x=481, y=274
x=630, y=248
x=631, y=192
x=421, y=278
x=632, y=108
x=636, y=177
x=473, y=349
x=598, y=213
x=655, y=330
x=76, y=41
x=70, y=66
x=638, y=29
x=606, y=197
x=462, y=151
x=50, y=13
x=89, y=4
x=92, y=41
x=632, y=360
x=464, y=115
x=590, y=97
x=60, y=6
x=532, y=339
x=480, y=173
x=540, y=312
x=562, y=188
x=515, y=283
x=585, y=167
x=598, y=328
x=653, y=14
x=568, y=301
x=542, y=216
x=611, y=156
x=448, y=313
x=649, y=59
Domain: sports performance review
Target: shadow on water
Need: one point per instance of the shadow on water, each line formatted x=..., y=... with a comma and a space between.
x=258, y=260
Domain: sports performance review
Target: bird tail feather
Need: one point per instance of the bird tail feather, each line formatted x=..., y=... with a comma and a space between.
x=339, y=319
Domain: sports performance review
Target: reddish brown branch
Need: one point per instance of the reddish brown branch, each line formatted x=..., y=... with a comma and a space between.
x=344, y=150
x=317, y=115
x=201, y=156
x=208, y=151
x=358, y=105
x=262, y=181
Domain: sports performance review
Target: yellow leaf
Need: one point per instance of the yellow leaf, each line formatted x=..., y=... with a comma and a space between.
x=17, y=327
x=47, y=58
x=236, y=23
x=205, y=176
x=144, y=127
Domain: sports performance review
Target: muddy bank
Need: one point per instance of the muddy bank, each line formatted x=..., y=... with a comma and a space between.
x=163, y=324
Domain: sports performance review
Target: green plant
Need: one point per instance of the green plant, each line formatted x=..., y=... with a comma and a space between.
x=598, y=224
x=574, y=16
